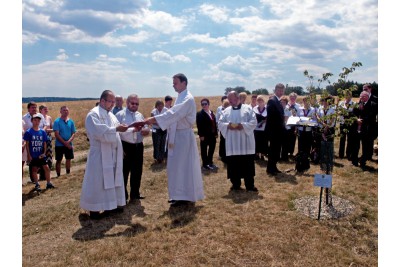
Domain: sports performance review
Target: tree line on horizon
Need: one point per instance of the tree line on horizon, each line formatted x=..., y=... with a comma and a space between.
x=42, y=99
x=299, y=90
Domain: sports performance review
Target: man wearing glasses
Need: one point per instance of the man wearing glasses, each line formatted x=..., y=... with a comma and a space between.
x=132, y=143
x=208, y=133
x=103, y=183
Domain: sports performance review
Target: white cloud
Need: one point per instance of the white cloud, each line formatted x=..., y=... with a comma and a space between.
x=250, y=10
x=216, y=14
x=182, y=58
x=201, y=52
x=55, y=78
x=162, y=21
x=161, y=56
x=232, y=68
x=103, y=22
x=62, y=56
x=104, y=57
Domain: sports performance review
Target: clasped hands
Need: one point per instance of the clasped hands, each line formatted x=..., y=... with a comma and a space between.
x=235, y=126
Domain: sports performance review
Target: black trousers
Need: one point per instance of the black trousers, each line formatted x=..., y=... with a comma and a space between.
x=275, y=145
x=343, y=145
x=241, y=166
x=222, y=149
x=133, y=165
x=305, y=142
x=207, y=148
x=366, y=153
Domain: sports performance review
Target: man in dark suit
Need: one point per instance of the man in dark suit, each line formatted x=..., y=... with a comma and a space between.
x=364, y=128
x=372, y=106
x=275, y=128
x=208, y=133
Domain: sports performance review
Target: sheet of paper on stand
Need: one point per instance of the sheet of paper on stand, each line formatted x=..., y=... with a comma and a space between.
x=301, y=121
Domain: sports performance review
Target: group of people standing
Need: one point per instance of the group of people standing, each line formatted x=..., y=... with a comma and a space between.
x=37, y=149
x=247, y=132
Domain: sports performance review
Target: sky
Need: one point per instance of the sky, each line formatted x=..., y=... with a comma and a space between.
x=80, y=48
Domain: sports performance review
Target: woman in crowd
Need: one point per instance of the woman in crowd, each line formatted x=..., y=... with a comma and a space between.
x=48, y=121
x=158, y=135
x=260, y=135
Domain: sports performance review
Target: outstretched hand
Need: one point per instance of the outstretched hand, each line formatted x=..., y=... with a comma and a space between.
x=122, y=128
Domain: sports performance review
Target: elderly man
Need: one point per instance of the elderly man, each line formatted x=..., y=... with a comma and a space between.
x=364, y=128
x=185, y=183
x=132, y=144
x=119, y=100
x=372, y=105
x=237, y=124
x=103, y=183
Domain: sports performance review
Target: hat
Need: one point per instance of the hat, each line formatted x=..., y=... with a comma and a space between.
x=37, y=115
x=168, y=98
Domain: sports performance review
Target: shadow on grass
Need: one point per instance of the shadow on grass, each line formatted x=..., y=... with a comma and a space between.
x=370, y=169
x=182, y=215
x=337, y=164
x=286, y=178
x=261, y=163
x=97, y=229
x=158, y=167
x=242, y=196
x=32, y=194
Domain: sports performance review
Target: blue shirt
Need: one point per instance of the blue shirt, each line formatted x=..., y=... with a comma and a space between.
x=36, y=142
x=65, y=129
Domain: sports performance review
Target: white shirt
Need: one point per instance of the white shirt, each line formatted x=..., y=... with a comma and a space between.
x=155, y=112
x=27, y=118
x=127, y=117
x=261, y=125
x=322, y=113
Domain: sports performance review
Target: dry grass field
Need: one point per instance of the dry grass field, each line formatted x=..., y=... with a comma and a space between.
x=225, y=229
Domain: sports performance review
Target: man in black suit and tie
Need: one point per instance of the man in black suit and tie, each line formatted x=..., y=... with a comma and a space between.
x=372, y=107
x=365, y=124
x=275, y=128
x=208, y=133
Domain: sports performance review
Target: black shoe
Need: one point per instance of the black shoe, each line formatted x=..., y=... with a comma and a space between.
x=233, y=188
x=254, y=189
x=37, y=188
x=362, y=166
x=212, y=167
x=179, y=203
x=107, y=213
x=138, y=197
x=95, y=215
x=50, y=186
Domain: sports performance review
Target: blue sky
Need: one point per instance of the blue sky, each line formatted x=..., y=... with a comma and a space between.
x=79, y=48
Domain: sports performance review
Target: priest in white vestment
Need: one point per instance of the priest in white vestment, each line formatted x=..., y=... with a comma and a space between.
x=237, y=124
x=103, y=183
x=185, y=182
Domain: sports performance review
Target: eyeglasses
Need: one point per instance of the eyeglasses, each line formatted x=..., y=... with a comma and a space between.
x=134, y=103
x=204, y=104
